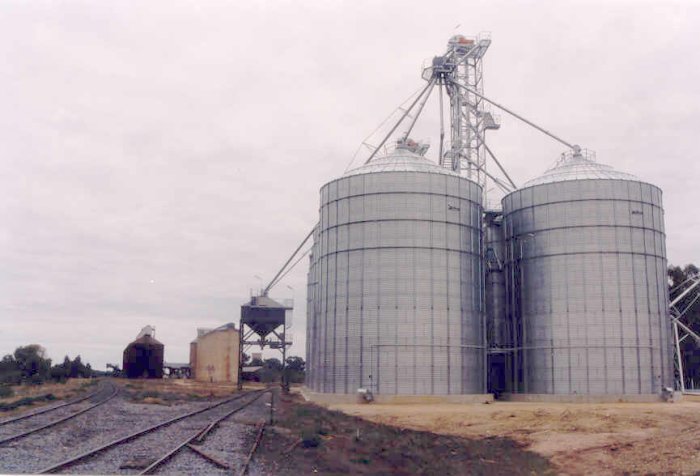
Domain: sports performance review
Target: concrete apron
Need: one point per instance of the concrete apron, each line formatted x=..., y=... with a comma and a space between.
x=348, y=398
x=612, y=398
x=341, y=398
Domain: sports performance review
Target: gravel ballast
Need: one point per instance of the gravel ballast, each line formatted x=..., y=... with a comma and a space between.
x=120, y=417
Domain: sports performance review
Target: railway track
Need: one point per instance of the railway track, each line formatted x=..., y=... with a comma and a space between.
x=38, y=421
x=173, y=436
x=48, y=409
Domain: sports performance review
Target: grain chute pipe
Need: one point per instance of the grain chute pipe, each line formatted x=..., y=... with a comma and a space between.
x=289, y=268
x=273, y=282
x=499, y=165
x=517, y=116
x=420, y=109
x=374, y=152
x=496, y=180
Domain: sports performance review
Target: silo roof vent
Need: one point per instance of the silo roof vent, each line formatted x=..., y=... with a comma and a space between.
x=579, y=165
x=401, y=159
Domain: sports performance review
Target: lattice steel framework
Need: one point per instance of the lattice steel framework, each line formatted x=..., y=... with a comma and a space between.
x=460, y=72
x=466, y=108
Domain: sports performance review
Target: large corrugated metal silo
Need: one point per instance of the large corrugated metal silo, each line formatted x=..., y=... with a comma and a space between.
x=396, y=282
x=586, y=279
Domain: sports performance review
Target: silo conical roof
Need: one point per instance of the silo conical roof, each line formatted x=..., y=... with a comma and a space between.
x=579, y=166
x=400, y=160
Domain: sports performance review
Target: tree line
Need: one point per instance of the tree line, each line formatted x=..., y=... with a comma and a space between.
x=272, y=370
x=30, y=365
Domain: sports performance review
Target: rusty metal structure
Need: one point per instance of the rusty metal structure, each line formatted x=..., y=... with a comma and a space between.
x=264, y=323
x=143, y=358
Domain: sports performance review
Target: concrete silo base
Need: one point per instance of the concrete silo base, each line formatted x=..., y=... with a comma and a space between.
x=612, y=398
x=336, y=398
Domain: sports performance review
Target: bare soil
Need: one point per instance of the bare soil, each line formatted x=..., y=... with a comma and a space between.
x=618, y=438
x=307, y=438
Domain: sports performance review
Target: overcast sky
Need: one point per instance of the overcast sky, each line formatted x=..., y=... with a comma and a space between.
x=156, y=156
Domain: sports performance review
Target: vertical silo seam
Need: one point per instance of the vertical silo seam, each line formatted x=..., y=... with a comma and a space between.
x=650, y=369
x=463, y=369
x=335, y=293
x=397, y=323
x=584, y=275
x=347, y=321
x=448, y=349
x=622, y=329
x=363, y=384
x=569, y=374
x=636, y=303
x=432, y=303
x=552, y=351
x=603, y=319
x=378, y=353
x=647, y=256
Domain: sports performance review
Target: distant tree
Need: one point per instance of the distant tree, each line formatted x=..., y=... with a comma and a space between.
x=76, y=368
x=296, y=364
x=32, y=363
x=245, y=358
x=257, y=363
x=10, y=373
x=296, y=369
x=273, y=364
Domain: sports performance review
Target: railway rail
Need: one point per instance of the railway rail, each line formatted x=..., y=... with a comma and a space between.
x=107, y=392
x=214, y=415
x=48, y=409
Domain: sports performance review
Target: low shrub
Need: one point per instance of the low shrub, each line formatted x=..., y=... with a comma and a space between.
x=6, y=391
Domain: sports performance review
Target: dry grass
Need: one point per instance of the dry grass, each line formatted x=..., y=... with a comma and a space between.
x=60, y=391
x=578, y=438
x=172, y=391
x=180, y=387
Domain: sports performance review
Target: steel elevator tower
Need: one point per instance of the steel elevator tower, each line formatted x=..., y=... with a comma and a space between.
x=460, y=71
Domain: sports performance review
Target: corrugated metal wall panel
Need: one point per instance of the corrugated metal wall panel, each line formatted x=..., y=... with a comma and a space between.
x=396, y=286
x=585, y=274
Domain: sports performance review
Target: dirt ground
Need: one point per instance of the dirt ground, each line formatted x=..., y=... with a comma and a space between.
x=576, y=438
x=308, y=439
